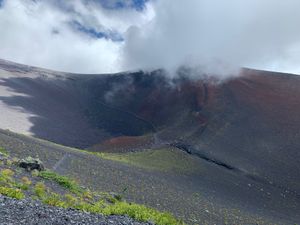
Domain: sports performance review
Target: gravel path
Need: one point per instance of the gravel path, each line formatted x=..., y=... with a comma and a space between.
x=31, y=212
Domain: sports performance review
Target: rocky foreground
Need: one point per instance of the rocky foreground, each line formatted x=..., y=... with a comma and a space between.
x=32, y=194
x=29, y=212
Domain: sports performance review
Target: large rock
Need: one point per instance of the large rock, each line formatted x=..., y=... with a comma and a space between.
x=30, y=164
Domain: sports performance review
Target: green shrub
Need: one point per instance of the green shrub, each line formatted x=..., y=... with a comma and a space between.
x=87, y=195
x=6, y=177
x=22, y=186
x=3, y=151
x=26, y=180
x=40, y=189
x=12, y=192
x=70, y=199
x=96, y=207
x=54, y=200
x=35, y=173
x=7, y=173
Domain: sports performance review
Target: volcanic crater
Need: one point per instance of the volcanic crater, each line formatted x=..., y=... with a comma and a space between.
x=244, y=131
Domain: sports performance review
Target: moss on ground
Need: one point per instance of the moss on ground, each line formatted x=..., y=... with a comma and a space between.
x=160, y=159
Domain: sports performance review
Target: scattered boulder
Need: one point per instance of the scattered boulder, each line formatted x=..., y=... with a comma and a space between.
x=31, y=164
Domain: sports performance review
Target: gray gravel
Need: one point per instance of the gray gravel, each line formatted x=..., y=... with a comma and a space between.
x=29, y=212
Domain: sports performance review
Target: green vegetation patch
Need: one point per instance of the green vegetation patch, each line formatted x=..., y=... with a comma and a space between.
x=64, y=181
x=94, y=202
x=141, y=213
x=3, y=151
x=8, y=186
x=12, y=192
x=160, y=159
x=101, y=206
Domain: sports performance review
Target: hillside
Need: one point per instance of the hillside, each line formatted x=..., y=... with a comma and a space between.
x=208, y=151
x=33, y=194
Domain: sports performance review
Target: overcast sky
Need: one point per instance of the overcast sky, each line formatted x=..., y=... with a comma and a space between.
x=101, y=36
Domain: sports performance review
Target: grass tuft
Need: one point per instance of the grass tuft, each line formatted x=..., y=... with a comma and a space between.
x=141, y=213
x=40, y=189
x=55, y=200
x=12, y=192
x=7, y=173
x=64, y=181
x=26, y=180
x=3, y=151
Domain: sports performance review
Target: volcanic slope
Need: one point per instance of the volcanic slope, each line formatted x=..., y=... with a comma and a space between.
x=240, y=138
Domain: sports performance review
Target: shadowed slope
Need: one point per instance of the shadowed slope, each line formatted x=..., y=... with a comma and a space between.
x=62, y=108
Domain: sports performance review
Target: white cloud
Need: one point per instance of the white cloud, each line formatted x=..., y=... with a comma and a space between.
x=261, y=34
x=38, y=33
x=168, y=33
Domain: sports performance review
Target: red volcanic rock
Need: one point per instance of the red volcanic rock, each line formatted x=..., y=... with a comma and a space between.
x=123, y=144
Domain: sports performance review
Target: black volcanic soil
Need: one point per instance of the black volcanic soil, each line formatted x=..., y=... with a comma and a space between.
x=244, y=132
x=27, y=212
x=211, y=195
